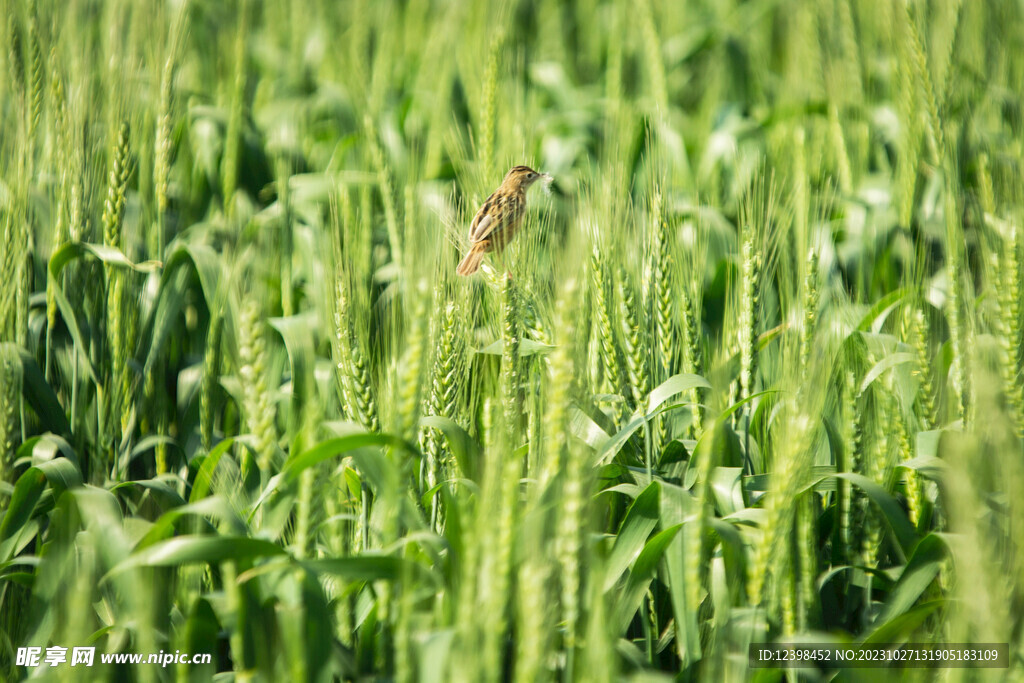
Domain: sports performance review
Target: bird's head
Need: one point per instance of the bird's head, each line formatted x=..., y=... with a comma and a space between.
x=522, y=177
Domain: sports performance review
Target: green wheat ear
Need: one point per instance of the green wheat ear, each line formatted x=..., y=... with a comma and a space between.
x=122, y=302
x=354, y=381
x=917, y=337
x=10, y=402
x=749, y=323
x=511, y=363
x=488, y=112
x=386, y=183
x=606, y=332
x=534, y=609
x=411, y=363
x=15, y=58
x=560, y=385
x=36, y=87
x=634, y=342
x=692, y=360
x=665, y=291
x=1009, y=326
x=211, y=377
x=655, y=63
x=10, y=270
x=253, y=370
x=569, y=458
x=811, y=297
x=162, y=153
x=957, y=307
x=907, y=101
x=851, y=456
x=62, y=156
x=912, y=484
x=446, y=387
x=790, y=467
x=807, y=557
x=117, y=189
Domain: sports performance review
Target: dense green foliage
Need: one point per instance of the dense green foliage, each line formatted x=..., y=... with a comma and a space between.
x=751, y=371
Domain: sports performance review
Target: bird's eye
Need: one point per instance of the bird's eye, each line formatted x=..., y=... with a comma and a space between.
x=532, y=175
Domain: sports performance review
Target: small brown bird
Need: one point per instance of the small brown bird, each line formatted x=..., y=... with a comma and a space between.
x=498, y=220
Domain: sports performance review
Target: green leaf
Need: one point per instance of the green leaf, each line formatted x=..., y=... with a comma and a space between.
x=878, y=312
x=586, y=430
x=204, y=477
x=739, y=404
x=298, y=333
x=901, y=627
x=368, y=568
x=151, y=442
x=902, y=529
x=72, y=251
x=172, y=294
x=640, y=577
x=641, y=519
x=207, y=263
x=725, y=484
x=527, y=347
x=27, y=560
x=733, y=551
x=201, y=629
x=198, y=550
x=164, y=315
x=213, y=506
x=654, y=405
x=159, y=485
x=27, y=491
x=926, y=466
x=315, y=188
x=108, y=256
x=921, y=570
x=326, y=450
x=678, y=507
x=60, y=474
x=26, y=579
x=890, y=361
x=631, y=490
x=928, y=443
x=676, y=384
x=46, y=447
x=461, y=444
x=821, y=480
x=39, y=394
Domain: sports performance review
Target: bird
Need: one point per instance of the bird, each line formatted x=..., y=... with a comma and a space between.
x=500, y=217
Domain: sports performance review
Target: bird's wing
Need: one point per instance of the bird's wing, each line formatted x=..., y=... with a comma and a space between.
x=498, y=212
x=483, y=225
x=484, y=222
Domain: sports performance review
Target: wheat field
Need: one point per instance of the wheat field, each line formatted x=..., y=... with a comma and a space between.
x=751, y=372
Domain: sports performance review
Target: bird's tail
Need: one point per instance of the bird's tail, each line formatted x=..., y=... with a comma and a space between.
x=471, y=263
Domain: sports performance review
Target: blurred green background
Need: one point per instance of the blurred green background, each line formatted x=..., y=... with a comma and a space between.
x=751, y=372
